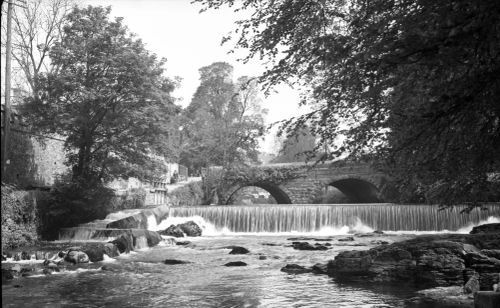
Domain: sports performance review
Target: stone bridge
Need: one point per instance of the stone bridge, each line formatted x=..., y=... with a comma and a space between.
x=359, y=182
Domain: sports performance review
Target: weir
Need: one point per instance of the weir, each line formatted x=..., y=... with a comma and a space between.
x=311, y=218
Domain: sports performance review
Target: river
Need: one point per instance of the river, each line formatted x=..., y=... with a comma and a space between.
x=141, y=279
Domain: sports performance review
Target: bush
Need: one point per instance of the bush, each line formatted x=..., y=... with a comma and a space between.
x=133, y=199
x=77, y=202
x=189, y=195
x=19, y=218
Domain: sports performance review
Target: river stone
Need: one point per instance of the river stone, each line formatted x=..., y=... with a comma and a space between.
x=190, y=228
x=486, y=228
x=307, y=246
x=183, y=243
x=124, y=242
x=94, y=252
x=174, y=262
x=472, y=285
x=236, y=263
x=295, y=269
x=319, y=268
x=238, y=250
x=430, y=260
x=173, y=230
x=262, y=258
x=76, y=256
x=111, y=250
x=346, y=239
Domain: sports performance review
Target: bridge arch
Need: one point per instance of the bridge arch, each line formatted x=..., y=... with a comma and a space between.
x=276, y=192
x=357, y=190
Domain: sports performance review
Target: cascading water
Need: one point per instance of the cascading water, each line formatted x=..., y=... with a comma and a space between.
x=332, y=219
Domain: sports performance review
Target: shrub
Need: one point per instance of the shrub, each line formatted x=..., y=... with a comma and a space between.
x=19, y=218
x=73, y=203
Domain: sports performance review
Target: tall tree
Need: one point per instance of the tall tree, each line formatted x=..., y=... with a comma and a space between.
x=37, y=25
x=414, y=82
x=298, y=147
x=224, y=120
x=109, y=98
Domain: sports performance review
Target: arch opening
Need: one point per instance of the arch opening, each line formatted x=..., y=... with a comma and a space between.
x=271, y=192
x=357, y=191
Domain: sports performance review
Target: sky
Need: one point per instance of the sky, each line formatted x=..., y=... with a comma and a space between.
x=175, y=30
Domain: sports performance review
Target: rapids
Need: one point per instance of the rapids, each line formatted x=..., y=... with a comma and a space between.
x=141, y=279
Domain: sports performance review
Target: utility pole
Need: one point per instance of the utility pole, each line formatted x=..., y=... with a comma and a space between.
x=8, y=56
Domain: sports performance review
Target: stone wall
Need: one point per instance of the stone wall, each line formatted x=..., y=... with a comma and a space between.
x=34, y=161
x=359, y=181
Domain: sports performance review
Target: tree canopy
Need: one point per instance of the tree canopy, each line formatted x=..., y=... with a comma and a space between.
x=413, y=83
x=223, y=121
x=297, y=148
x=108, y=97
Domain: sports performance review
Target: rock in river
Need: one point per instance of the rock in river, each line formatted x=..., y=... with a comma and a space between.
x=174, y=262
x=190, y=228
x=238, y=250
x=236, y=263
x=307, y=246
x=173, y=230
x=431, y=260
x=295, y=269
x=76, y=256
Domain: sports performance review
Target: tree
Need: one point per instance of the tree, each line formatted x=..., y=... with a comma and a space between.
x=37, y=25
x=108, y=97
x=224, y=120
x=297, y=148
x=413, y=83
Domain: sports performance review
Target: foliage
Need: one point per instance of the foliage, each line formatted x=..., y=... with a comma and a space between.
x=223, y=121
x=36, y=25
x=134, y=198
x=296, y=148
x=188, y=195
x=108, y=97
x=19, y=218
x=69, y=204
x=413, y=82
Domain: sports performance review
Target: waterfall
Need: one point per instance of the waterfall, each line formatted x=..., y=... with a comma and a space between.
x=358, y=217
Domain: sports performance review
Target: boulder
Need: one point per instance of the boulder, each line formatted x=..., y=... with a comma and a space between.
x=190, y=228
x=94, y=252
x=346, y=239
x=432, y=261
x=236, y=263
x=307, y=246
x=76, y=256
x=486, y=228
x=451, y=296
x=238, y=250
x=111, y=250
x=182, y=243
x=124, y=242
x=295, y=269
x=319, y=268
x=173, y=230
x=472, y=285
x=174, y=262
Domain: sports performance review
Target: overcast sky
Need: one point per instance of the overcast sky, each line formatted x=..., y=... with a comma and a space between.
x=175, y=29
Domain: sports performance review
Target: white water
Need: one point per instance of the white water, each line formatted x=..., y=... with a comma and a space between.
x=328, y=220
